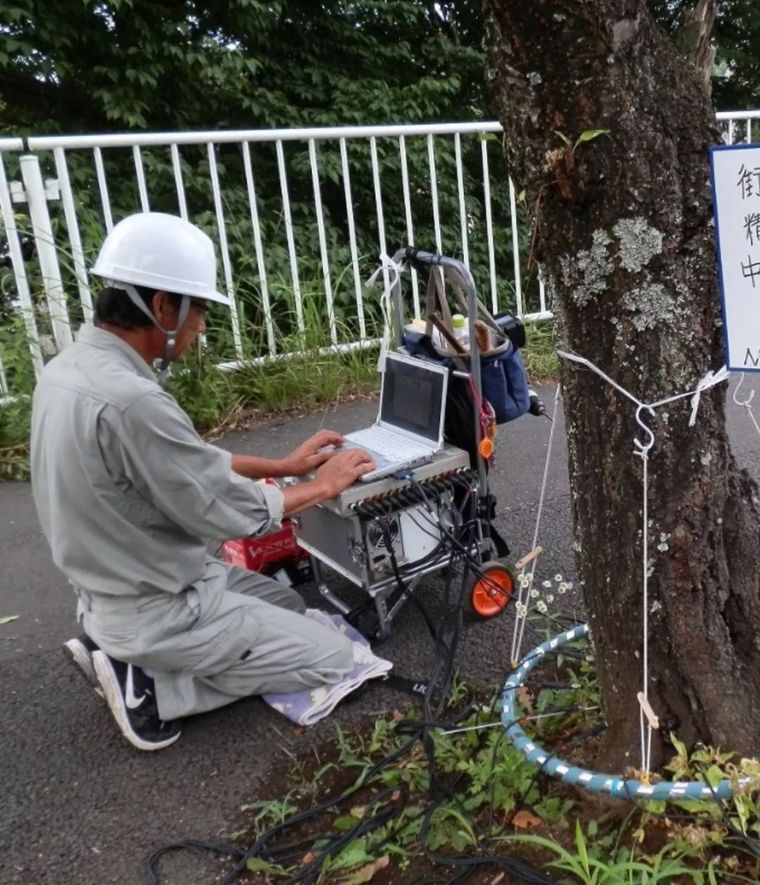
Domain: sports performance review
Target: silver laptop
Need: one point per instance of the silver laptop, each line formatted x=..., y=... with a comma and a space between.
x=409, y=427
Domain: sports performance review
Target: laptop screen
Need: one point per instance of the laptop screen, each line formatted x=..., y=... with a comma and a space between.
x=413, y=397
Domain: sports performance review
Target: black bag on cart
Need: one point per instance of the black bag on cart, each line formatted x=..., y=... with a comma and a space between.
x=504, y=381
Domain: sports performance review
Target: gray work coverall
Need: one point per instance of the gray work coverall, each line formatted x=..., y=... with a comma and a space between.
x=128, y=495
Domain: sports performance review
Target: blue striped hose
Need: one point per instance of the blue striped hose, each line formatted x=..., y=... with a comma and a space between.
x=596, y=782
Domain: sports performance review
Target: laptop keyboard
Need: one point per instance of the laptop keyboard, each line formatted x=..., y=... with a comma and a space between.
x=394, y=448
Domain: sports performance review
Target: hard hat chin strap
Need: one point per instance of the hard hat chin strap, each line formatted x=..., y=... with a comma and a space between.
x=171, y=340
x=171, y=334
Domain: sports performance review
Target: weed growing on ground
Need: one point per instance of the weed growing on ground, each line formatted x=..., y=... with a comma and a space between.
x=481, y=780
x=464, y=793
x=580, y=861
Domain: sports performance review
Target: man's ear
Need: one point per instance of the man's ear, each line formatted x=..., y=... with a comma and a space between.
x=163, y=309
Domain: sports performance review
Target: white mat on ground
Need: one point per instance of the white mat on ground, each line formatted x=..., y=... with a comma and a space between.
x=309, y=706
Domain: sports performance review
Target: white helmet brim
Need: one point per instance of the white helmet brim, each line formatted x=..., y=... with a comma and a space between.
x=162, y=252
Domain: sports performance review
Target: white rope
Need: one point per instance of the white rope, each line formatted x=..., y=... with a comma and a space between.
x=532, y=718
x=709, y=380
x=642, y=450
x=645, y=729
x=386, y=264
x=647, y=718
x=524, y=591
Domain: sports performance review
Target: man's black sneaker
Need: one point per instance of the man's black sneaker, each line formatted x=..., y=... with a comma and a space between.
x=81, y=649
x=130, y=693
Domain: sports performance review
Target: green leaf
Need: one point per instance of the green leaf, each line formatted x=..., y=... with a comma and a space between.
x=259, y=865
x=354, y=853
x=580, y=844
x=590, y=135
x=714, y=775
x=679, y=745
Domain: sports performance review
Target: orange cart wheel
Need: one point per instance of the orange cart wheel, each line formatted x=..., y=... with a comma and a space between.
x=492, y=589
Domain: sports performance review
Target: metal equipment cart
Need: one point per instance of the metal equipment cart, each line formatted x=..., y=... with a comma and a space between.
x=385, y=536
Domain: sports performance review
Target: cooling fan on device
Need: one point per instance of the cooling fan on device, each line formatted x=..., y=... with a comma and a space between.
x=383, y=532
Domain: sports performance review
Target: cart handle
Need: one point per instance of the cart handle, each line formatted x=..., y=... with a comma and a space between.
x=418, y=258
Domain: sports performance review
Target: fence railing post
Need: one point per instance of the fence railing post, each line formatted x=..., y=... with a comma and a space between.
x=19, y=272
x=4, y=390
x=46, y=252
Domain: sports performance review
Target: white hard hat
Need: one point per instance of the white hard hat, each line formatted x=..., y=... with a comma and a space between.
x=162, y=252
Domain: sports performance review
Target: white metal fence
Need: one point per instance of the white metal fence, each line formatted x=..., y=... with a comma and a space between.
x=299, y=217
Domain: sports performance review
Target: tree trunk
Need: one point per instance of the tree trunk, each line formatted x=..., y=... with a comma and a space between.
x=625, y=240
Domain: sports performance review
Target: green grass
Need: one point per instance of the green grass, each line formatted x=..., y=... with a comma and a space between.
x=222, y=400
x=14, y=440
x=540, y=351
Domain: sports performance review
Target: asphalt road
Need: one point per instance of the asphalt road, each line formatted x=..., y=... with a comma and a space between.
x=79, y=805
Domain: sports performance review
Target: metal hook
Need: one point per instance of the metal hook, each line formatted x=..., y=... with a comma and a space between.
x=736, y=390
x=643, y=448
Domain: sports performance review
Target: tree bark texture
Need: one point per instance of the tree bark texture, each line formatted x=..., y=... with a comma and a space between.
x=625, y=240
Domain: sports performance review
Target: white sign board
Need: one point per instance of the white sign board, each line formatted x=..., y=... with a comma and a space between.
x=736, y=200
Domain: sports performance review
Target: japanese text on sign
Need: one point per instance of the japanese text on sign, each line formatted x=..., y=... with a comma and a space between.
x=736, y=198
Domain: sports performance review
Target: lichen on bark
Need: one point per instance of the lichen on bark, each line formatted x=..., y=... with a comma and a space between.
x=585, y=274
x=638, y=242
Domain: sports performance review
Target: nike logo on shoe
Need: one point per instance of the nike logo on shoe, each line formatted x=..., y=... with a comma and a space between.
x=131, y=700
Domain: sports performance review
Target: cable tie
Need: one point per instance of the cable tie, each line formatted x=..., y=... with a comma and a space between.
x=386, y=263
x=646, y=708
x=528, y=558
x=709, y=380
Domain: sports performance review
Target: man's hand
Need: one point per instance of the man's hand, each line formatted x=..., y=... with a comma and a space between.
x=312, y=453
x=309, y=456
x=342, y=470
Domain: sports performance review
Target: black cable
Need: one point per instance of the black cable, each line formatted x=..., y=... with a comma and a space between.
x=353, y=615
x=363, y=827
x=193, y=845
x=422, y=735
x=526, y=873
x=474, y=565
x=443, y=670
x=400, y=581
x=415, y=567
x=330, y=802
x=432, y=554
